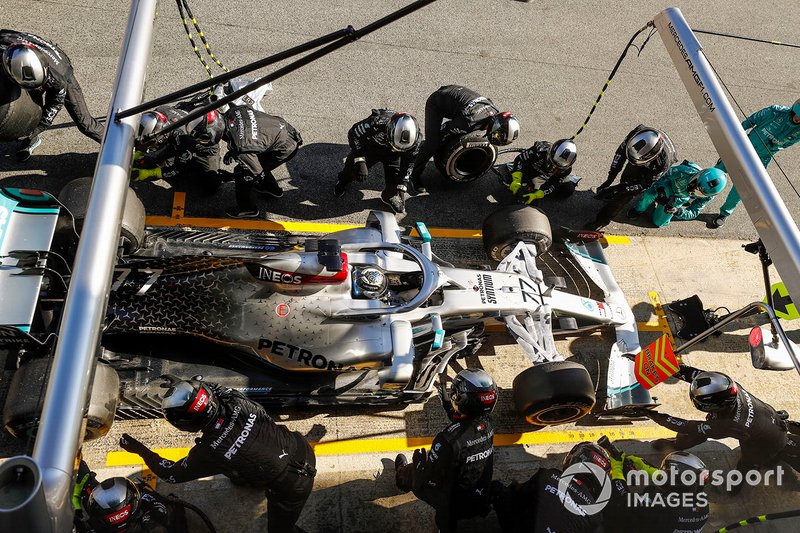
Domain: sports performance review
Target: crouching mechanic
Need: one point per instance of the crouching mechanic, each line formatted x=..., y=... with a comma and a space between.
x=681, y=194
x=43, y=69
x=543, y=169
x=669, y=500
x=260, y=143
x=240, y=440
x=386, y=137
x=765, y=435
x=644, y=156
x=454, y=476
x=539, y=505
x=191, y=150
x=467, y=111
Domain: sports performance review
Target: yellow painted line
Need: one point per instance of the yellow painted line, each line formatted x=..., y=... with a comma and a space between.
x=313, y=227
x=356, y=446
x=178, y=205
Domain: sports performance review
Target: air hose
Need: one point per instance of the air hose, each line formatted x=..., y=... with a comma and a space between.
x=186, y=11
x=759, y=519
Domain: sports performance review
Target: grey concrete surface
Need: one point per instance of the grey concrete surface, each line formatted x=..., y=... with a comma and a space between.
x=545, y=61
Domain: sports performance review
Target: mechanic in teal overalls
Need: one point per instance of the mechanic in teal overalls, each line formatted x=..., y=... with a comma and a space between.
x=772, y=129
x=681, y=193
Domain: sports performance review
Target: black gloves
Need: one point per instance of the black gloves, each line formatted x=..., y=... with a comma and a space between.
x=420, y=456
x=362, y=172
x=229, y=158
x=129, y=444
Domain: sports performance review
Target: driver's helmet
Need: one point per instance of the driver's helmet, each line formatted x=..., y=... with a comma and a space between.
x=151, y=123
x=708, y=182
x=645, y=146
x=190, y=405
x=588, y=452
x=113, y=504
x=503, y=129
x=562, y=153
x=208, y=129
x=473, y=393
x=680, y=462
x=371, y=282
x=23, y=64
x=402, y=132
x=713, y=391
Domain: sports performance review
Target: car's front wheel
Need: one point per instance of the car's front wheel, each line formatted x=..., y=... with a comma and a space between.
x=504, y=228
x=553, y=393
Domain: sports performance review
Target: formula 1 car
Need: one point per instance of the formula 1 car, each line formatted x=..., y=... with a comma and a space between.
x=361, y=316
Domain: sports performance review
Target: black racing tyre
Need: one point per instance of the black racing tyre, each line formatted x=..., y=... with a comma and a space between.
x=75, y=197
x=465, y=158
x=19, y=113
x=25, y=400
x=504, y=228
x=553, y=393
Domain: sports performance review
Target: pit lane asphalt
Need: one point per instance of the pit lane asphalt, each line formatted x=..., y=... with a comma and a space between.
x=545, y=61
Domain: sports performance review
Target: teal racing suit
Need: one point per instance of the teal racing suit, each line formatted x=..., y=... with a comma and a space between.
x=771, y=130
x=672, y=197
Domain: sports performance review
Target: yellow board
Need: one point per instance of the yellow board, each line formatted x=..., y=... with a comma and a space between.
x=782, y=302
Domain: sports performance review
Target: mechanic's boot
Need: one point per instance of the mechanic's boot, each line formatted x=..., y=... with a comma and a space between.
x=396, y=202
x=399, y=462
x=26, y=148
x=237, y=212
x=268, y=187
x=339, y=187
x=416, y=187
x=719, y=221
x=633, y=213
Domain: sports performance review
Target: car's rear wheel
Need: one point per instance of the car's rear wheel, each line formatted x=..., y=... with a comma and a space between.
x=504, y=228
x=553, y=393
x=19, y=113
x=75, y=197
x=23, y=408
x=465, y=158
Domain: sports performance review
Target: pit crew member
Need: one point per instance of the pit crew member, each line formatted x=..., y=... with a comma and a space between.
x=543, y=169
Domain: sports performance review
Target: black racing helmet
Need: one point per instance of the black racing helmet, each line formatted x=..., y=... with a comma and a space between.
x=645, y=146
x=190, y=405
x=713, y=391
x=402, y=132
x=113, y=504
x=562, y=153
x=24, y=65
x=588, y=452
x=208, y=129
x=503, y=129
x=473, y=393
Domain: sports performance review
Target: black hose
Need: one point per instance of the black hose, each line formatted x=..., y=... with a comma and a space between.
x=197, y=511
x=184, y=5
x=742, y=38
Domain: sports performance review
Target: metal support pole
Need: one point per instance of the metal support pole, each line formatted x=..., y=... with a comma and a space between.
x=61, y=427
x=769, y=214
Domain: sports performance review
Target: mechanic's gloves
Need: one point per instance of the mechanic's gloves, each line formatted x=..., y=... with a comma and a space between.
x=639, y=464
x=516, y=182
x=142, y=174
x=661, y=196
x=530, y=197
x=229, y=158
x=362, y=172
x=617, y=467
x=604, y=192
x=130, y=444
x=420, y=456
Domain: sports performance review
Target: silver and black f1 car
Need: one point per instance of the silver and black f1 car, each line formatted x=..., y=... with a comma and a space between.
x=361, y=316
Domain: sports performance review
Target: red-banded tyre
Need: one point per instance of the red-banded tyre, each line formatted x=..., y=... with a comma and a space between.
x=504, y=228
x=553, y=393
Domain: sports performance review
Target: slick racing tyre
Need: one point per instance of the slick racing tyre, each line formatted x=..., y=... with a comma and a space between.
x=19, y=113
x=25, y=400
x=553, y=393
x=504, y=228
x=75, y=197
x=465, y=158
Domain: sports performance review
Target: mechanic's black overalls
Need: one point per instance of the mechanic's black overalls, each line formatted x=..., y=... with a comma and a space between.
x=60, y=88
x=534, y=164
x=368, y=139
x=467, y=110
x=261, y=143
x=246, y=445
x=634, y=179
x=762, y=432
x=455, y=477
x=535, y=506
x=181, y=155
